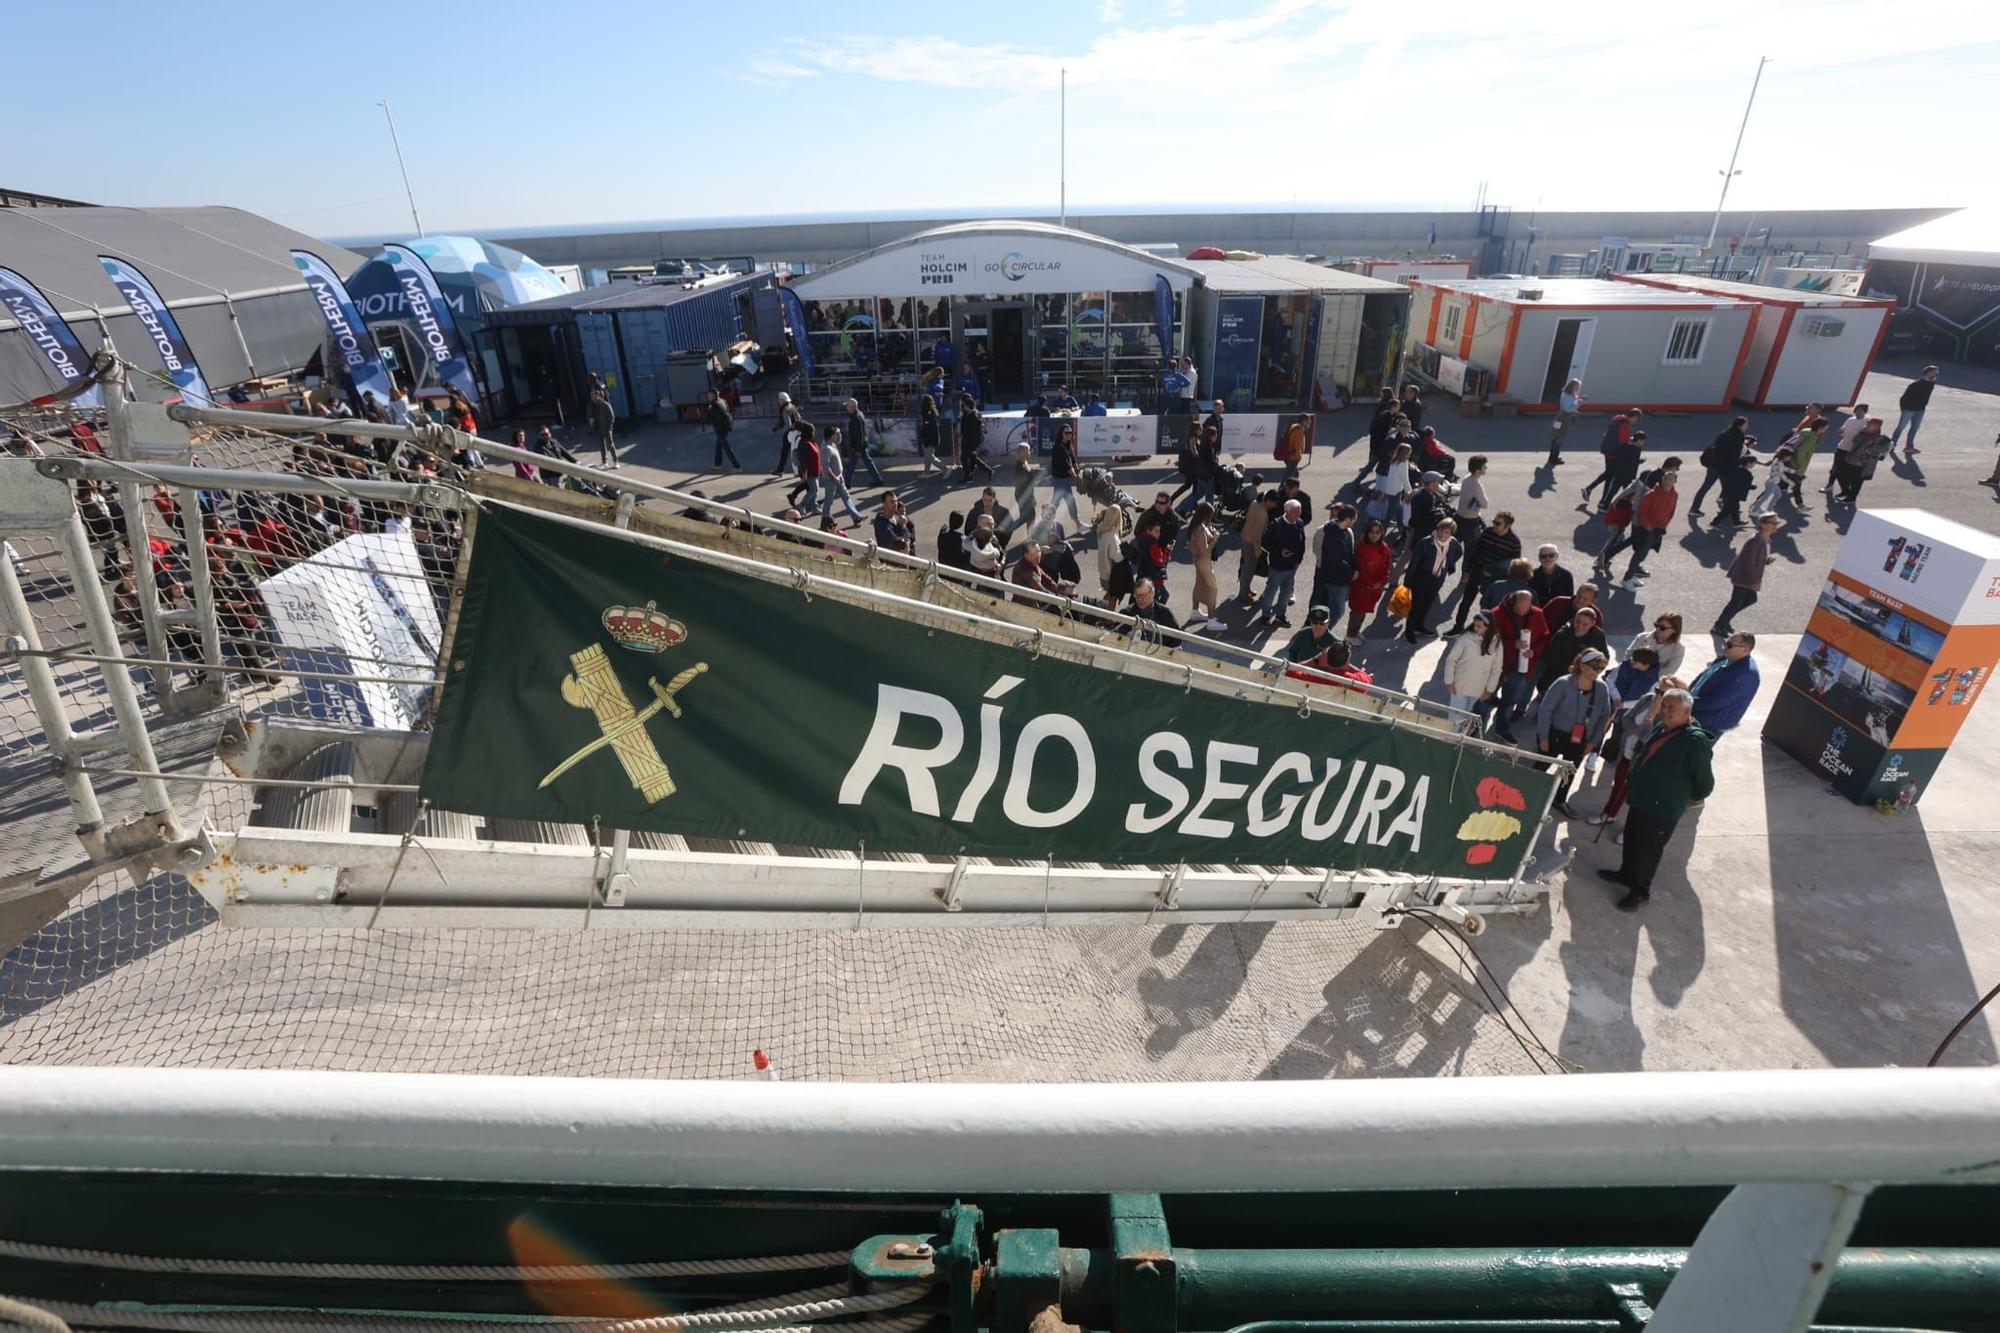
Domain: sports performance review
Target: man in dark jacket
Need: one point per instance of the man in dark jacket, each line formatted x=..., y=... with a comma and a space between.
x=1722, y=455
x=1725, y=688
x=1334, y=549
x=854, y=442
x=721, y=422
x=951, y=543
x=1427, y=506
x=602, y=421
x=1433, y=562
x=1619, y=433
x=1670, y=771
x=971, y=434
x=1498, y=547
x=1285, y=545
x=1916, y=400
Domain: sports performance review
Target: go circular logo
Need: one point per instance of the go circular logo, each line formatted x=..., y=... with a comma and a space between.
x=1017, y=266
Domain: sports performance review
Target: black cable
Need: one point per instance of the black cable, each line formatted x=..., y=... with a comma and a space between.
x=1961, y=1025
x=1493, y=1001
x=1422, y=913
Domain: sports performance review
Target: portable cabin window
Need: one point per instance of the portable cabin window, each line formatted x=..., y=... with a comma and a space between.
x=1454, y=316
x=1686, y=342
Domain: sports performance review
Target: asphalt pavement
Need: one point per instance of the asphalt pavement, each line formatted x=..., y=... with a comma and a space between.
x=1957, y=450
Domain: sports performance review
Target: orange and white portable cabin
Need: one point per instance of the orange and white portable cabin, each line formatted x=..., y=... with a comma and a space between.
x=1631, y=345
x=1805, y=347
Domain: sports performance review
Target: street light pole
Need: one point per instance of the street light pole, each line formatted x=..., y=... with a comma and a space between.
x=1732, y=173
x=407, y=191
x=1062, y=149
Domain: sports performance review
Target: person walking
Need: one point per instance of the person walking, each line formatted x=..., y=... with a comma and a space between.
x=1524, y=637
x=1650, y=519
x=1805, y=444
x=1746, y=572
x=1472, y=668
x=807, y=458
x=1373, y=559
x=1617, y=436
x=1333, y=558
x=1497, y=548
x=1285, y=545
x=1568, y=403
x=1201, y=536
x=971, y=434
x=930, y=439
x=1432, y=563
x=855, y=440
x=1671, y=770
x=1724, y=689
x=1916, y=400
x=1062, y=473
x=1843, y=440
x=1026, y=473
x=602, y=422
x=833, y=476
x=721, y=422
x=1720, y=459
x=791, y=423
x=1855, y=461
x=1575, y=712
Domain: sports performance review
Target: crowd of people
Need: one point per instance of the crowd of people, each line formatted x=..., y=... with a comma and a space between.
x=1414, y=543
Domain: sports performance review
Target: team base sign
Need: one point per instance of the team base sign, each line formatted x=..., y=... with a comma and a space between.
x=598, y=678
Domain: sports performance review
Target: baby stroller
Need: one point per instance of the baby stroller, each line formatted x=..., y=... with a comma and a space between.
x=1235, y=492
x=1098, y=484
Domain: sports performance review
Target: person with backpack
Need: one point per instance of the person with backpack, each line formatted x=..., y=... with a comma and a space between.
x=1724, y=452
x=1497, y=548
x=1333, y=557
x=787, y=428
x=1291, y=448
x=1617, y=437
x=721, y=422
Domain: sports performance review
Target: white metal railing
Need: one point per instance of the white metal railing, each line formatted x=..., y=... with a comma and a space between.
x=1939, y=1126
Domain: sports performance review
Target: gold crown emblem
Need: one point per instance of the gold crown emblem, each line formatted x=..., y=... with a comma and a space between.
x=643, y=629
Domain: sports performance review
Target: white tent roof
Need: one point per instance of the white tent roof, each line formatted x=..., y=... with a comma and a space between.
x=1969, y=236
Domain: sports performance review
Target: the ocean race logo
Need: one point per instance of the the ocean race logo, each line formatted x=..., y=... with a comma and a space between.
x=1830, y=757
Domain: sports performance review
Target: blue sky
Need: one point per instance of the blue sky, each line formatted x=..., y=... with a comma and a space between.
x=516, y=114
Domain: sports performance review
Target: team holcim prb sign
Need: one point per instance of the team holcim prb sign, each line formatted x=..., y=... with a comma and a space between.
x=1897, y=651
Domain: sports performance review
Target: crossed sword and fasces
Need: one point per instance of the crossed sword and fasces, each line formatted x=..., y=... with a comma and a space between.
x=594, y=685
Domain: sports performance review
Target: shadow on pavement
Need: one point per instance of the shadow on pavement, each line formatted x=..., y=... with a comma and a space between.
x=1870, y=965
x=1392, y=1010
x=1182, y=1003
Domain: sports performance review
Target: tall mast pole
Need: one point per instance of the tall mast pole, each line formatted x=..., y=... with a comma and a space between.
x=1062, y=149
x=1730, y=174
x=401, y=166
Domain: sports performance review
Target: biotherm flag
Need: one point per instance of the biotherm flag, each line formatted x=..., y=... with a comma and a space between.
x=26, y=306
x=161, y=327
x=437, y=331
x=358, y=353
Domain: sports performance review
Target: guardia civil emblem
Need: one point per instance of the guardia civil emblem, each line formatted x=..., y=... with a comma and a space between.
x=593, y=684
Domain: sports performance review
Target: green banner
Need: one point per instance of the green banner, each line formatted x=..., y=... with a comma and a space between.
x=595, y=676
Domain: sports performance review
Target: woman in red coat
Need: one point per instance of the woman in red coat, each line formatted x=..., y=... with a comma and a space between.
x=1373, y=559
x=1524, y=638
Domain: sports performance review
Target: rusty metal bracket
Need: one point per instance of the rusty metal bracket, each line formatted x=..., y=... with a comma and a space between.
x=1144, y=1287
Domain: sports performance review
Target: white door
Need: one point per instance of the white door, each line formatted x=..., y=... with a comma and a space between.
x=1581, y=355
